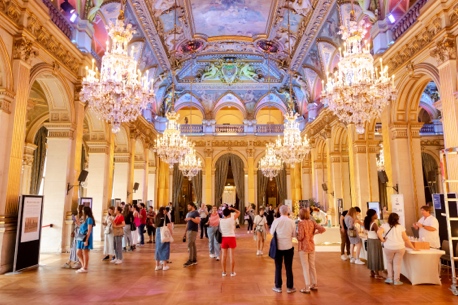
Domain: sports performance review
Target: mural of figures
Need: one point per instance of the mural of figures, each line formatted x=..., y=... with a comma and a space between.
x=301, y=7
x=229, y=17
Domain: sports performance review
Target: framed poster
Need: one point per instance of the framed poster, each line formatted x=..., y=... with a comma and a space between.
x=86, y=201
x=397, y=202
x=27, y=250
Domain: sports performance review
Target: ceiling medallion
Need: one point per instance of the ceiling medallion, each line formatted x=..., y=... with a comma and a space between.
x=118, y=93
x=268, y=46
x=191, y=46
x=358, y=92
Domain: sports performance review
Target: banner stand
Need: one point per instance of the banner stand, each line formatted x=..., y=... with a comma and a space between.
x=28, y=235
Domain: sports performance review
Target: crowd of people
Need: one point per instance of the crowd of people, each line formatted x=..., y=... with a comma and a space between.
x=125, y=227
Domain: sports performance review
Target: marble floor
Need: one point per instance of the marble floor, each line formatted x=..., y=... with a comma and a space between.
x=136, y=282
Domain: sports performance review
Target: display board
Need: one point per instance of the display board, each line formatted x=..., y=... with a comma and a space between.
x=375, y=205
x=397, y=201
x=27, y=250
x=86, y=201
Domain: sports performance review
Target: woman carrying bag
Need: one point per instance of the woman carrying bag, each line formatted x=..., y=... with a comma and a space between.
x=162, y=253
x=118, y=232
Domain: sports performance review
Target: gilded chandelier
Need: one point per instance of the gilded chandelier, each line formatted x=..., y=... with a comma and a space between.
x=357, y=92
x=118, y=93
x=171, y=147
x=190, y=164
x=292, y=149
x=270, y=165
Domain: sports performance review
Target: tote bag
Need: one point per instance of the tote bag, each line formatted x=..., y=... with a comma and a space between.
x=273, y=246
x=219, y=235
x=166, y=235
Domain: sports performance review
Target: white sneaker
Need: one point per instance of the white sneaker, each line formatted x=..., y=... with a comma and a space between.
x=257, y=252
x=344, y=257
x=247, y=232
x=217, y=258
x=118, y=261
x=359, y=262
x=165, y=268
x=352, y=260
x=158, y=268
x=261, y=253
x=212, y=256
x=113, y=261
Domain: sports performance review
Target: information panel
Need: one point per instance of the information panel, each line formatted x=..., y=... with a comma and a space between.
x=397, y=201
x=27, y=251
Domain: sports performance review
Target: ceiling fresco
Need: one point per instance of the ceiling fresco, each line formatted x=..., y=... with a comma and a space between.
x=231, y=17
x=230, y=36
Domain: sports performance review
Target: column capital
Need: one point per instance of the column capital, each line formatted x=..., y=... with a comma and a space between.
x=121, y=157
x=23, y=49
x=444, y=50
x=6, y=99
x=60, y=130
x=415, y=129
x=140, y=164
x=398, y=131
x=152, y=170
x=360, y=147
x=27, y=158
x=98, y=147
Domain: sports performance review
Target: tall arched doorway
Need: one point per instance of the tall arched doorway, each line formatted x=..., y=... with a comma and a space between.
x=271, y=191
x=230, y=166
x=185, y=191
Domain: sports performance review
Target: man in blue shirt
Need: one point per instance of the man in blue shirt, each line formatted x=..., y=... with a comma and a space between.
x=192, y=226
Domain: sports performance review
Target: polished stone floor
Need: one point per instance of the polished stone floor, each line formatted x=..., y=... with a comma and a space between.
x=136, y=282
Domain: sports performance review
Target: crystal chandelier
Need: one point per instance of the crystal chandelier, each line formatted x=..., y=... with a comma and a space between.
x=118, y=93
x=357, y=92
x=190, y=164
x=292, y=149
x=171, y=146
x=270, y=165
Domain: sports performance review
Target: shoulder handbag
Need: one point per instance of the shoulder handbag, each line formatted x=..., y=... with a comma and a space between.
x=384, y=237
x=273, y=246
x=80, y=236
x=352, y=232
x=166, y=235
x=219, y=235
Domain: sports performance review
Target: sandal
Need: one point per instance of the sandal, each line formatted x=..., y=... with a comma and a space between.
x=304, y=290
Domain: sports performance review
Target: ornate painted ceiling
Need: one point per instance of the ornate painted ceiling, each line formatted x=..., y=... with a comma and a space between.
x=217, y=47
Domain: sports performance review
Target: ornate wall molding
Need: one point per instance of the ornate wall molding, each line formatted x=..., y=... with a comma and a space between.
x=98, y=147
x=6, y=99
x=23, y=49
x=121, y=157
x=60, y=130
x=398, y=131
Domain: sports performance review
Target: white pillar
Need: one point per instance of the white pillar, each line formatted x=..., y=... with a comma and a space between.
x=121, y=172
x=58, y=165
x=97, y=181
x=288, y=185
x=151, y=185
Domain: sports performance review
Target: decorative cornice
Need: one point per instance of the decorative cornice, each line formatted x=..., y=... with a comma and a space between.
x=415, y=129
x=121, y=157
x=399, y=131
x=100, y=147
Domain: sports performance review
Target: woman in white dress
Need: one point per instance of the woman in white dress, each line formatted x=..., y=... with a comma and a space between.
x=260, y=229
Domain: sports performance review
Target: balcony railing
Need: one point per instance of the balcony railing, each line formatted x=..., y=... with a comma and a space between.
x=229, y=128
x=62, y=23
x=269, y=128
x=426, y=129
x=191, y=128
x=408, y=19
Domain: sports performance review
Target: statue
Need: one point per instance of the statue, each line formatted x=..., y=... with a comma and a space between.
x=207, y=101
x=289, y=101
x=369, y=8
x=211, y=72
x=301, y=7
x=250, y=104
x=248, y=71
x=303, y=84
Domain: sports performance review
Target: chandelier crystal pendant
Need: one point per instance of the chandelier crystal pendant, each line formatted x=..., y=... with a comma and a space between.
x=119, y=92
x=270, y=165
x=357, y=92
x=190, y=164
x=292, y=149
x=171, y=147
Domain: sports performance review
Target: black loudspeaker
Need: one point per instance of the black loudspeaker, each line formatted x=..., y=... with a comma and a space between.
x=325, y=187
x=432, y=176
x=382, y=177
x=136, y=185
x=83, y=175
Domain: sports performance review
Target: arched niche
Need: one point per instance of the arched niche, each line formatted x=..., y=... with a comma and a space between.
x=122, y=143
x=230, y=100
x=269, y=115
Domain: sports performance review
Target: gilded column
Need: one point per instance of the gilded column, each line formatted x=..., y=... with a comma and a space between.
x=209, y=174
x=307, y=191
x=336, y=182
x=120, y=175
x=27, y=163
x=131, y=171
x=13, y=122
